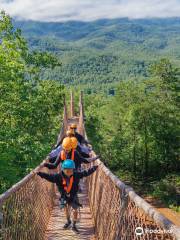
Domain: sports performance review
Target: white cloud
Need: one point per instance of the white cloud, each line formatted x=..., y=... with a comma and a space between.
x=87, y=10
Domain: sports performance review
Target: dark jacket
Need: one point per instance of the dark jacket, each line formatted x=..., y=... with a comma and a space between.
x=58, y=179
x=83, y=154
x=78, y=160
x=80, y=138
x=55, y=152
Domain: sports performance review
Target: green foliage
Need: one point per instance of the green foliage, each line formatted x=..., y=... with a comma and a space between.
x=137, y=129
x=43, y=59
x=167, y=190
x=29, y=108
x=97, y=55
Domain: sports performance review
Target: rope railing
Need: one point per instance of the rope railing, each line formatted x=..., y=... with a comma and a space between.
x=72, y=104
x=81, y=115
x=25, y=208
x=118, y=212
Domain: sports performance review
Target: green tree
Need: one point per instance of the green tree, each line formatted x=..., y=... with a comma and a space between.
x=29, y=108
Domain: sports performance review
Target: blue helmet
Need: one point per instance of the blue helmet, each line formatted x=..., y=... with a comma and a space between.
x=68, y=164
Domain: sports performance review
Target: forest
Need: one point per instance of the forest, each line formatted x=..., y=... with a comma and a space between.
x=136, y=132
x=97, y=55
x=30, y=109
x=129, y=71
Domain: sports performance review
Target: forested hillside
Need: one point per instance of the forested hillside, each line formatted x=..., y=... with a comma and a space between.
x=136, y=132
x=99, y=54
x=130, y=72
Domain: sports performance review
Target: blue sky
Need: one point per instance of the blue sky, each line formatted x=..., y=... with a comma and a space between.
x=88, y=10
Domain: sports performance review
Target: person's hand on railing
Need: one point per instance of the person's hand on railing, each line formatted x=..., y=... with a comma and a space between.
x=96, y=157
x=98, y=163
x=34, y=172
x=91, y=154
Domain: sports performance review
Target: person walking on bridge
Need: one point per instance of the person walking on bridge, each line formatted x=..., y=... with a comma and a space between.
x=67, y=182
x=69, y=152
x=76, y=145
x=83, y=146
x=55, y=152
x=79, y=137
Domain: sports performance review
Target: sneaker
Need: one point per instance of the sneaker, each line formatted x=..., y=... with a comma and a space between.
x=74, y=228
x=67, y=224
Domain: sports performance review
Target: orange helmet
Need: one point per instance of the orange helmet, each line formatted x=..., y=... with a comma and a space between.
x=73, y=126
x=66, y=144
x=70, y=132
x=74, y=142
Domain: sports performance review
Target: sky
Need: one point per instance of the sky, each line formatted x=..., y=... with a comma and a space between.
x=89, y=10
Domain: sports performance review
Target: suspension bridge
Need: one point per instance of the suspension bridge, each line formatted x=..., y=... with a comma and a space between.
x=111, y=210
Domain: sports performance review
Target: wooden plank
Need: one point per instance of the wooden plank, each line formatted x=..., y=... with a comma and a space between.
x=85, y=226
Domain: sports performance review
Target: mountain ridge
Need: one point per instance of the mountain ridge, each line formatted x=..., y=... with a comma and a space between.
x=104, y=52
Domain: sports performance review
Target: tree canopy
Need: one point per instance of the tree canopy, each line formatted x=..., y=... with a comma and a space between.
x=30, y=108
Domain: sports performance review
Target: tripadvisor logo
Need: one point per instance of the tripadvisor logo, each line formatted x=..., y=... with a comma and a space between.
x=139, y=231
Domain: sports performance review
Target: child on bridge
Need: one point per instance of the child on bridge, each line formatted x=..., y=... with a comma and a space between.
x=67, y=182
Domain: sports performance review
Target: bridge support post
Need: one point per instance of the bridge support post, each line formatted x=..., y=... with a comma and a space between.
x=65, y=117
x=81, y=105
x=81, y=115
x=72, y=105
x=65, y=124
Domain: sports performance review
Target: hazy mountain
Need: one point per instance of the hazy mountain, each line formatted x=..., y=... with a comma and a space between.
x=105, y=51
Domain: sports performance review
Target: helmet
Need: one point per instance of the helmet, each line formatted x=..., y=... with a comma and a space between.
x=73, y=125
x=74, y=142
x=68, y=164
x=70, y=132
x=66, y=144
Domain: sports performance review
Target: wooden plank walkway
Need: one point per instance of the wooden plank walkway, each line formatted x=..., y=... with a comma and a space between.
x=55, y=229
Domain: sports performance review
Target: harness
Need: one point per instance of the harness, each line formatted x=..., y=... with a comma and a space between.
x=69, y=187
